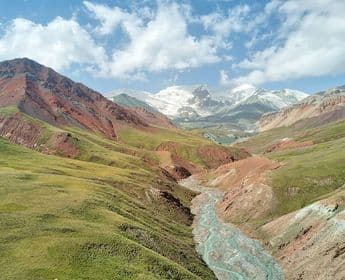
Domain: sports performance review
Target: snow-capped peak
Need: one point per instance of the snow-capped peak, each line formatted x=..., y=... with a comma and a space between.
x=299, y=95
x=199, y=101
x=243, y=87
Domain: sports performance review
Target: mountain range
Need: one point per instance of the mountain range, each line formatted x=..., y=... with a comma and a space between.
x=198, y=104
x=222, y=116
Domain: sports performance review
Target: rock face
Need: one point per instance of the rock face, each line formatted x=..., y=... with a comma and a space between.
x=44, y=94
x=247, y=195
x=178, y=172
x=315, y=110
x=310, y=241
x=19, y=131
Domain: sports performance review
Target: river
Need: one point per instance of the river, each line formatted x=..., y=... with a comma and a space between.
x=228, y=252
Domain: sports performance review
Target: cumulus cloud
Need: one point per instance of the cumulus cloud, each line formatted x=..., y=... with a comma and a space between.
x=156, y=40
x=58, y=44
x=110, y=18
x=295, y=41
x=155, y=44
x=312, y=43
x=233, y=21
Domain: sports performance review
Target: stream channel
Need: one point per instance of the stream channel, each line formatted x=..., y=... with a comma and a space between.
x=227, y=251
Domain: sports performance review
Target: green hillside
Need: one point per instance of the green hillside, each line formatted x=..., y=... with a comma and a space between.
x=307, y=174
x=110, y=213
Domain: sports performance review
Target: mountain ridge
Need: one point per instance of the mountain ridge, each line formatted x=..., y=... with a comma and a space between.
x=320, y=108
x=42, y=93
x=188, y=104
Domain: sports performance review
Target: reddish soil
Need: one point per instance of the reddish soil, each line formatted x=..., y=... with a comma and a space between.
x=62, y=144
x=178, y=172
x=247, y=194
x=310, y=242
x=28, y=134
x=215, y=156
x=44, y=94
x=173, y=148
x=288, y=144
x=212, y=156
x=19, y=131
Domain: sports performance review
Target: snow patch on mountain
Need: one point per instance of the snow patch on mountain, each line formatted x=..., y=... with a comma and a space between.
x=199, y=103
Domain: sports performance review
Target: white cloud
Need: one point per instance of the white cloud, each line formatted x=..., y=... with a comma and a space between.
x=110, y=18
x=224, y=79
x=160, y=43
x=312, y=45
x=58, y=44
x=223, y=25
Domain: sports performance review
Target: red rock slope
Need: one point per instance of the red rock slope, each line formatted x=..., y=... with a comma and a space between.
x=46, y=95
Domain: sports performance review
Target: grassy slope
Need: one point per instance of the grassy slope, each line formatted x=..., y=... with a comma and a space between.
x=91, y=218
x=309, y=173
x=188, y=143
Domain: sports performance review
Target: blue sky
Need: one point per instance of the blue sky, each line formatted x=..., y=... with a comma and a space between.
x=150, y=45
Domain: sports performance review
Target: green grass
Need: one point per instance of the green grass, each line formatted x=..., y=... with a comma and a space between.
x=73, y=219
x=8, y=111
x=96, y=216
x=188, y=144
x=309, y=173
x=258, y=143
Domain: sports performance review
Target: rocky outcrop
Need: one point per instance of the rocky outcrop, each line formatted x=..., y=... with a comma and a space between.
x=310, y=242
x=23, y=131
x=247, y=195
x=61, y=144
x=175, y=158
x=20, y=131
x=215, y=156
x=315, y=110
x=178, y=172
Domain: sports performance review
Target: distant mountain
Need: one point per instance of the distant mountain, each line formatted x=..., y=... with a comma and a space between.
x=321, y=108
x=145, y=111
x=132, y=102
x=198, y=106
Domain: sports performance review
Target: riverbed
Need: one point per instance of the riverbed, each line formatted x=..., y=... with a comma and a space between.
x=227, y=251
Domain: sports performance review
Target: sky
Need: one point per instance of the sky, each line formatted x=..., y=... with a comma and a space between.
x=149, y=45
